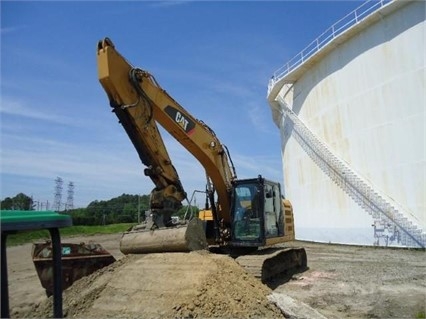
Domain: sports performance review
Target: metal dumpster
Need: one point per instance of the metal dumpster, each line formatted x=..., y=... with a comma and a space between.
x=78, y=260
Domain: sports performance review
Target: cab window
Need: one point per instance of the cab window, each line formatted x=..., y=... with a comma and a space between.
x=246, y=225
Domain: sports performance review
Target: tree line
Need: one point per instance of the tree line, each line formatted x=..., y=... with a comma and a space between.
x=18, y=202
x=122, y=209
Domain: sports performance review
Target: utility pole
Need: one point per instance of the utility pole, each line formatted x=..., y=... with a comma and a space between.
x=139, y=208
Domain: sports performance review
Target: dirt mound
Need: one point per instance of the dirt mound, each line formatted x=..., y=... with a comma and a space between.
x=167, y=285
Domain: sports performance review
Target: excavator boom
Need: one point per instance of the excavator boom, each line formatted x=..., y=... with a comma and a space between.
x=140, y=102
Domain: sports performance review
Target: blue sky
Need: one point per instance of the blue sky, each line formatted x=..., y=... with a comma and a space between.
x=214, y=58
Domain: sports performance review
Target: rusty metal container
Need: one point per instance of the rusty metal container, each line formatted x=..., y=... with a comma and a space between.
x=78, y=260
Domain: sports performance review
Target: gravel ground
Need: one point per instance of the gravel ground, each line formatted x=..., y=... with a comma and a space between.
x=341, y=282
x=360, y=282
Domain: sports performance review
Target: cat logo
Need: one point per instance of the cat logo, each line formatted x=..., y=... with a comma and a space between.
x=181, y=120
x=184, y=122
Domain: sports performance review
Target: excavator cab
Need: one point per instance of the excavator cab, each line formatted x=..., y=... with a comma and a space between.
x=257, y=212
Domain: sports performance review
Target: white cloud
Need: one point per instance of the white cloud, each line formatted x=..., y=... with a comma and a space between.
x=96, y=170
x=234, y=90
x=18, y=108
x=169, y=3
x=261, y=118
x=252, y=166
x=38, y=157
x=105, y=169
x=6, y=30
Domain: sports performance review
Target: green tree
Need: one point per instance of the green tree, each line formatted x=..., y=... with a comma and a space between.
x=119, y=209
x=7, y=203
x=19, y=202
x=80, y=217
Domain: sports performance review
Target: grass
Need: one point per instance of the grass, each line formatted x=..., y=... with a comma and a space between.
x=30, y=236
x=421, y=314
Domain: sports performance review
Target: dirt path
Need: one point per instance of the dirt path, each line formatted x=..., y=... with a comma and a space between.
x=342, y=282
x=166, y=285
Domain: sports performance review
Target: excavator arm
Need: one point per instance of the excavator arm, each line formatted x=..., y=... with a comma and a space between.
x=140, y=103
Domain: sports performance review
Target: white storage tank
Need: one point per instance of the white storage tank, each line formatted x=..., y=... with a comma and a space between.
x=351, y=111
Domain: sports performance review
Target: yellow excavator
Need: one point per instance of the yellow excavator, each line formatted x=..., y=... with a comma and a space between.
x=244, y=218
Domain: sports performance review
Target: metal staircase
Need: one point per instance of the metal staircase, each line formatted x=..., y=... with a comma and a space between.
x=379, y=206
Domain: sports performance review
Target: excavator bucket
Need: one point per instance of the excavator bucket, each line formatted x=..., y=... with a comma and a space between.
x=180, y=238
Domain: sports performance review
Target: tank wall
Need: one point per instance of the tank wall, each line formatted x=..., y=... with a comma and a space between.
x=366, y=100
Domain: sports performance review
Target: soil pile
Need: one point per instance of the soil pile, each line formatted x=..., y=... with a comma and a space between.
x=166, y=285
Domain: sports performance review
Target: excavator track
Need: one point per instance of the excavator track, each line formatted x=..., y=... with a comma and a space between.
x=268, y=263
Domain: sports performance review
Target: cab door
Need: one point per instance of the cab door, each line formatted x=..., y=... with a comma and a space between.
x=273, y=210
